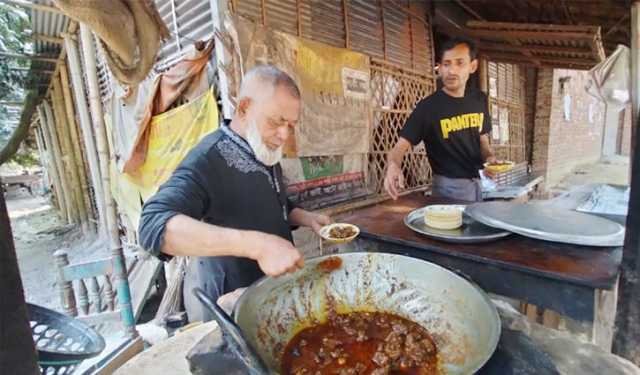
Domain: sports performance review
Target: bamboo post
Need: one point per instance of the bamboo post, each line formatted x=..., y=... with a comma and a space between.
x=89, y=53
x=56, y=160
x=75, y=141
x=85, y=123
x=119, y=264
x=66, y=157
x=41, y=150
x=59, y=160
x=45, y=161
x=52, y=169
x=69, y=157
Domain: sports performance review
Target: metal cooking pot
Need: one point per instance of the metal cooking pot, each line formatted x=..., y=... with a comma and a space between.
x=460, y=317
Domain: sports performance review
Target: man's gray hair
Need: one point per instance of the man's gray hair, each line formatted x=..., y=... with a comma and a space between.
x=255, y=79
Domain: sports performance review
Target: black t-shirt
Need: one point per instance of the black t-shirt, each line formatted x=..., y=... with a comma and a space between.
x=450, y=129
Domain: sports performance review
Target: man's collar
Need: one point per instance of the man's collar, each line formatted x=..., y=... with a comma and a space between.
x=235, y=137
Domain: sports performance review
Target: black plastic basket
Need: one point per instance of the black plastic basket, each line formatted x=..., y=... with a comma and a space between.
x=62, y=342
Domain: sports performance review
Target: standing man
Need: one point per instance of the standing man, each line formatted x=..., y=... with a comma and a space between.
x=225, y=206
x=454, y=128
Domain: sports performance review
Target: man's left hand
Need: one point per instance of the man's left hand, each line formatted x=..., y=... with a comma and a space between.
x=317, y=221
x=490, y=160
x=309, y=219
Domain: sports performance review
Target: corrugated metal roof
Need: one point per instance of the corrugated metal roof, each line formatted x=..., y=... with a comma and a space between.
x=50, y=24
x=558, y=46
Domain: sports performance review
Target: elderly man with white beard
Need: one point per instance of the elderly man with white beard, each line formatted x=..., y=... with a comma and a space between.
x=225, y=206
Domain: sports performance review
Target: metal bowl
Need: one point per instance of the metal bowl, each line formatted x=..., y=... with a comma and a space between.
x=460, y=317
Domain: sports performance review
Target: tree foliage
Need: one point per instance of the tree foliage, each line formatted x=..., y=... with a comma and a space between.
x=14, y=38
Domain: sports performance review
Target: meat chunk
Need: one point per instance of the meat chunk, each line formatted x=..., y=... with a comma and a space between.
x=381, y=371
x=380, y=358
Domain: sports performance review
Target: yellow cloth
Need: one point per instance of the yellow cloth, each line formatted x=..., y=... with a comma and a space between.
x=171, y=136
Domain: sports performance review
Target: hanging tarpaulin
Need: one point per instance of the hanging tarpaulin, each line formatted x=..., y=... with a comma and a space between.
x=130, y=33
x=334, y=82
x=609, y=80
x=171, y=136
x=187, y=80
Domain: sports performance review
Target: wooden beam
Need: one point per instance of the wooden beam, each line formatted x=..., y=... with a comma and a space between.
x=30, y=5
x=615, y=26
x=543, y=62
x=493, y=46
x=46, y=38
x=540, y=35
x=469, y=10
x=347, y=31
x=28, y=57
x=384, y=37
x=532, y=27
x=567, y=12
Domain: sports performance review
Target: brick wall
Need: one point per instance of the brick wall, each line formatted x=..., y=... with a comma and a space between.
x=542, y=116
x=560, y=145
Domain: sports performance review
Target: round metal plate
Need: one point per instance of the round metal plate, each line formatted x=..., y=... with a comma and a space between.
x=471, y=231
x=549, y=223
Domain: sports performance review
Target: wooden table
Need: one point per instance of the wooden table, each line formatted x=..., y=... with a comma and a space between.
x=564, y=278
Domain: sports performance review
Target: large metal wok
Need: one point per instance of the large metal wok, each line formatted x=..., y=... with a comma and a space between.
x=460, y=317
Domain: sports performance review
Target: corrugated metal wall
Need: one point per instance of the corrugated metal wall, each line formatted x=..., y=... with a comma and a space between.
x=397, y=32
x=188, y=21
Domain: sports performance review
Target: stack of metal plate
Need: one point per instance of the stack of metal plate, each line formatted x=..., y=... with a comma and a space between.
x=471, y=230
x=548, y=223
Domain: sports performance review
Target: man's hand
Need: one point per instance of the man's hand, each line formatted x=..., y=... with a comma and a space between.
x=393, y=180
x=276, y=256
x=317, y=221
x=305, y=218
x=490, y=160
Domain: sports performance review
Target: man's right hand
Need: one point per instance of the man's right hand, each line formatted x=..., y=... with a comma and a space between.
x=393, y=180
x=277, y=256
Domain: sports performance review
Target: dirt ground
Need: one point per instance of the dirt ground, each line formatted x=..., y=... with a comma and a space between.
x=38, y=232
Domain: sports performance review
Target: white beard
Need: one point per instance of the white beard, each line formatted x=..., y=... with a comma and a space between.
x=263, y=153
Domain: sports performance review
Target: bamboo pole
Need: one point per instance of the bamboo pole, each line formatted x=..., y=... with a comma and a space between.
x=85, y=123
x=70, y=159
x=41, y=150
x=89, y=54
x=58, y=121
x=77, y=151
x=58, y=159
x=53, y=169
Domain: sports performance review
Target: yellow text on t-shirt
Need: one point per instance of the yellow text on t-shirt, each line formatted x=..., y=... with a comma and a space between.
x=460, y=122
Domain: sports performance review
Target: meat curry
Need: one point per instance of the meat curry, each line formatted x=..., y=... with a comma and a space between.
x=362, y=343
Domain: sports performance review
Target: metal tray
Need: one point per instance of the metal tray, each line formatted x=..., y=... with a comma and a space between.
x=549, y=223
x=471, y=230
